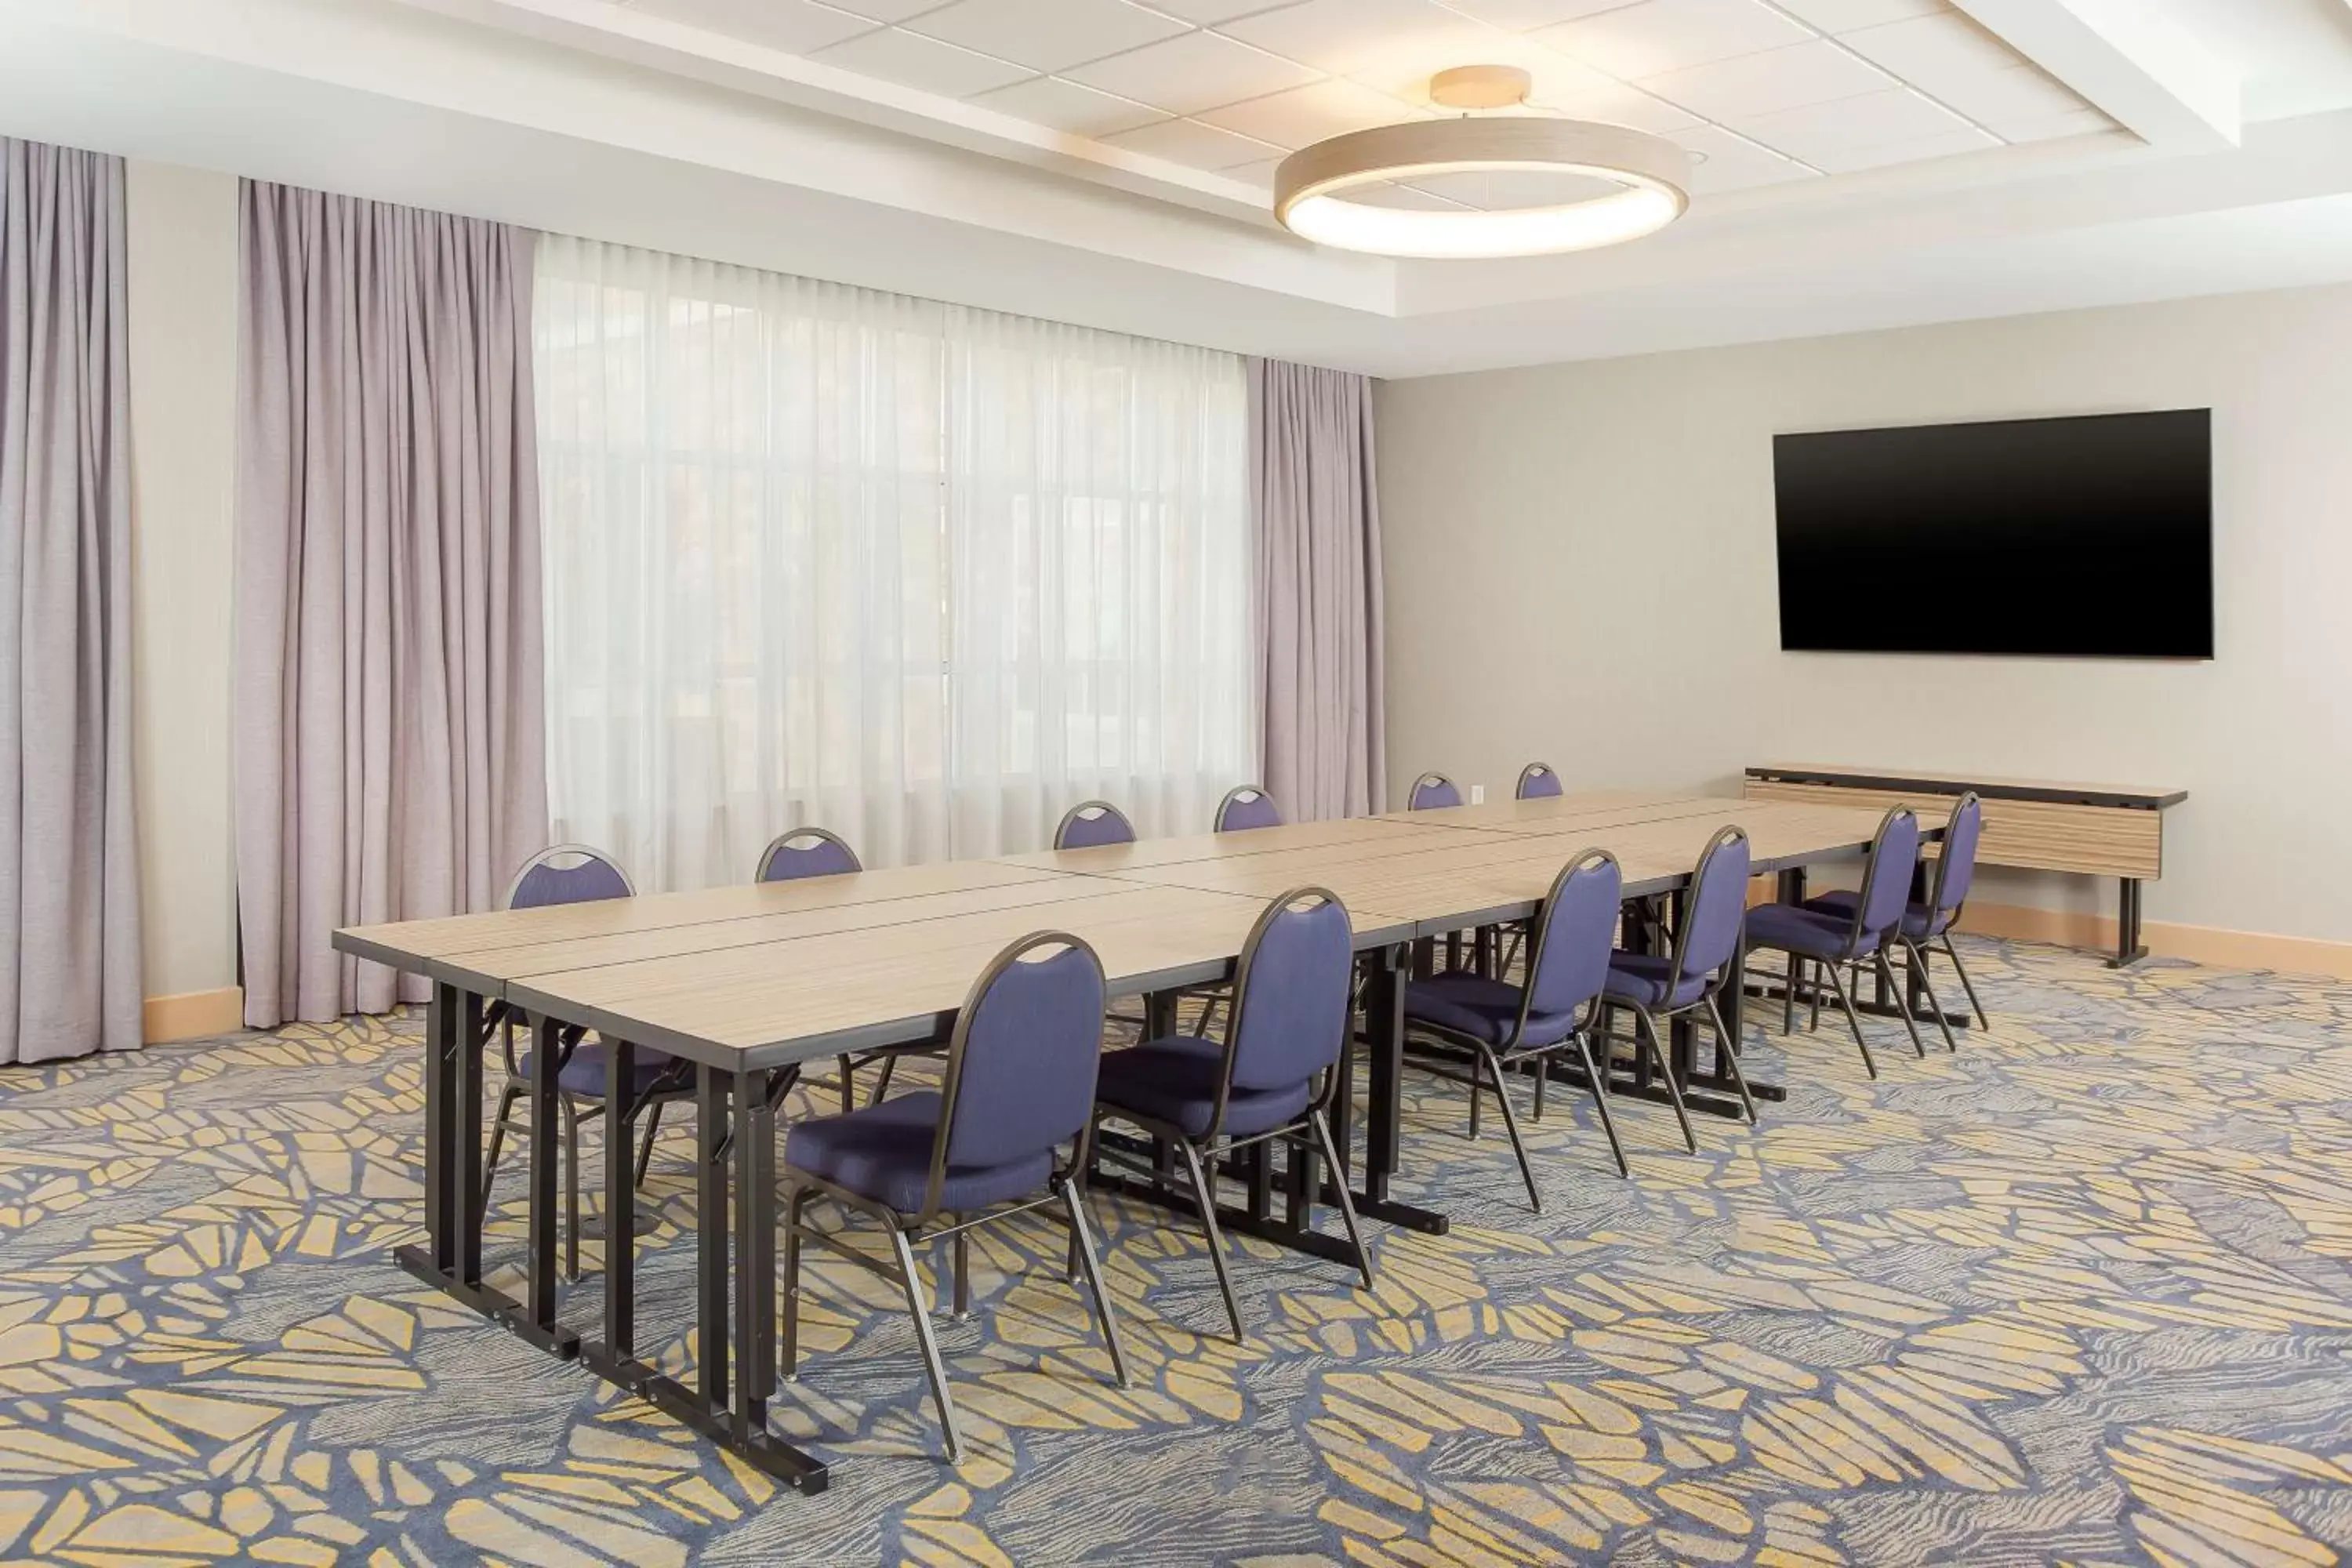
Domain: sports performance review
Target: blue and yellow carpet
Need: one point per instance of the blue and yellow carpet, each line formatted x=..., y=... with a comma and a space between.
x=2079, y=1294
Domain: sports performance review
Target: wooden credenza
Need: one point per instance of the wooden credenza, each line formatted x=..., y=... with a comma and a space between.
x=2037, y=825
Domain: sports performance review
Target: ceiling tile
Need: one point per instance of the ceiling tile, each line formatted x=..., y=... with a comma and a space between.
x=1192, y=72
x=1657, y=36
x=1951, y=144
x=1927, y=49
x=887, y=10
x=1345, y=37
x=1190, y=142
x=916, y=61
x=1819, y=131
x=2021, y=92
x=1728, y=164
x=2052, y=127
x=1816, y=72
x=795, y=27
x=1045, y=34
x=1202, y=13
x=1522, y=16
x=1066, y=106
x=1580, y=92
x=1310, y=113
x=1845, y=16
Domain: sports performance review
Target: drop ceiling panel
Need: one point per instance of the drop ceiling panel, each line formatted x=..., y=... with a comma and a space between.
x=1729, y=162
x=1309, y=113
x=912, y=61
x=1524, y=16
x=1191, y=142
x=2077, y=122
x=1045, y=34
x=1349, y=37
x=1194, y=71
x=1925, y=50
x=1815, y=73
x=1818, y=131
x=795, y=27
x=1846, y=15
x=1852, y=158
x=882, y=10
x=1655, y=37
x=1066, y=106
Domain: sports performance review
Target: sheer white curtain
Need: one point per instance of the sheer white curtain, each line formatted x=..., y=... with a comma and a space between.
x=923, y=575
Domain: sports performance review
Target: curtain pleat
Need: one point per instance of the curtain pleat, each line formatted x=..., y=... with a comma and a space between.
x=70, y=977
x=1315, y=503
x=390, y=739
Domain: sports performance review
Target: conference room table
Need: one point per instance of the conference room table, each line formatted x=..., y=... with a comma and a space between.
x=750, y=983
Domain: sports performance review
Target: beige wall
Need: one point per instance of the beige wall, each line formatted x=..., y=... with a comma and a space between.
x=1580, y=564
x=183, y=280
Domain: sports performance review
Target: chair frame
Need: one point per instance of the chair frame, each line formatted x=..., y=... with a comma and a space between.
x=1918, y=952
x=676, y=1084
x=1313, y=1123
x=1512, y=1053
x=1079, y=810
x=1855, y=955
x=1532, y=771
x=1731, y=972
x=1065, y=1186
x=824, y=835
x=1239, y=792
x=1429, y=778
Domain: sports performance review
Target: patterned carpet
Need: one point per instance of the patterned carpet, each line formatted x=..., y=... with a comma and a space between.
x=2078, y=1294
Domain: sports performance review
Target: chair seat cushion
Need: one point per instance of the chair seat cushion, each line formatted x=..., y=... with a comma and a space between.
x=1640, y=978
x=1792, y=928
x=1919, y=922
x=1174, y=1081
x=1480, y=1008
x=585, y=1073
x=884, y=1152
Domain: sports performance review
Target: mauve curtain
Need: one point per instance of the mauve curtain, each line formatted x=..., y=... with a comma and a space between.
x=1314, y=500
x=391, y=749
x=68, y=852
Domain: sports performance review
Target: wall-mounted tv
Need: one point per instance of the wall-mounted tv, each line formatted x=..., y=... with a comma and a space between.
x=2078, y=536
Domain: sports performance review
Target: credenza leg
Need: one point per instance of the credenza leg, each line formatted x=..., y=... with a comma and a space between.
x=2128, y=948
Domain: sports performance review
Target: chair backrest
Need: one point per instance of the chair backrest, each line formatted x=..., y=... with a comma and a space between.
x=1246, y=806
x=805, y=852
x=1020, y=1076
x=1576, y=930
x=1431, y=791
x=1293, y=994
x=1886, y=880
x=1717, y=908
x=1538, y=780
x=1956, y=863
x=1091, y=823
x=567, y=874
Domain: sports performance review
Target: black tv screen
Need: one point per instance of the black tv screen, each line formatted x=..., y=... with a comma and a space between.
x=2082, y=536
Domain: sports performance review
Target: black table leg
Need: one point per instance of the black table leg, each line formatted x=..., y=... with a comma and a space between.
x=1385, y=1109
x=620, y=1202
x=534, y=1320
x=451, y=1260
x=2129, y=949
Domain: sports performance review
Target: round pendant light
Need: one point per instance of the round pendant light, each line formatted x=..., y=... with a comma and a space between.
x=1314, y=186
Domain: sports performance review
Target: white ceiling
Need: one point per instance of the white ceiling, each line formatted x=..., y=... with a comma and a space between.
x=1861, y=162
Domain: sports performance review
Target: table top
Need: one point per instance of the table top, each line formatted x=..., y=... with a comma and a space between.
x=1991, y=786
x=763, y=976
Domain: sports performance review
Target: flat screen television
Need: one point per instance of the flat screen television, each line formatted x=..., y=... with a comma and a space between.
x=2090, y=536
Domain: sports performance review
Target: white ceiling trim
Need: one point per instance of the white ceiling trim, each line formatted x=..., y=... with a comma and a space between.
x=2147, y=74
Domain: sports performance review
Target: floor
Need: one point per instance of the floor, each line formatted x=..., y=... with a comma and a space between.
x=2079, y=1293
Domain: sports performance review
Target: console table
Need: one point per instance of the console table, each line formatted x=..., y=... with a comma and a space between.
x=2037, y=825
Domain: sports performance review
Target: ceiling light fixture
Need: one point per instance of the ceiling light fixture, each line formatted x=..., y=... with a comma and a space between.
x=1311, y=187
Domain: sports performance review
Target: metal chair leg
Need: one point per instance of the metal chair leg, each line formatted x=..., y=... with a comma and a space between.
x=1082, y=1242
x=1510, y=1125
x=1600, y=1101
x=1854, y=1019
x=570, y=1187
x=1347, y=1204
x=1647, y=1029
x=1475, y=1091
x=919, y=1309
x=1788, y=1000
x=1814, y=986
x=796, y=1209
x=963, y=1275
x=848, y=1071
x=1918, y=962
x=1983, y=1020
x=882, y=1080
x=1206, y=1196
x=1902, y=1002
x=507, y=1097
x=1543, y=1072
x=1729, y=1049
x=646, y=1146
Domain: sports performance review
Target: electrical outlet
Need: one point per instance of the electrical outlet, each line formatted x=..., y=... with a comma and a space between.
x=1478, y=794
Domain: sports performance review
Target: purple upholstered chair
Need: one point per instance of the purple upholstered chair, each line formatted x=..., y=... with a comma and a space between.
x=1018, y=1087
x=1931, y=919
x=1431, y=791
x=1272, y=1078
x=1538, y=780
x=1831, y=942
x=1505, y=1025
x=1246, y=806
x=1704, y=959
x=805, y=852
x=576, y=874
x=1092, y=824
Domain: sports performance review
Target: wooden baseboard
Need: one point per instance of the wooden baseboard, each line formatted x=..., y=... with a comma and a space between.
x=2165, y=939
x=193, y=1015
